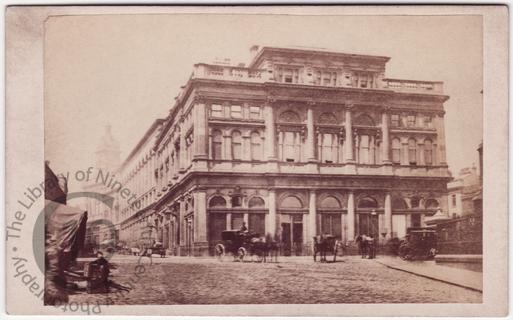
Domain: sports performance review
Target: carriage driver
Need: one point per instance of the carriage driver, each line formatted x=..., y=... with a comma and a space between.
x=243, y=228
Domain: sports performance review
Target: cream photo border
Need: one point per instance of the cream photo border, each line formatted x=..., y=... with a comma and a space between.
x=25, y=157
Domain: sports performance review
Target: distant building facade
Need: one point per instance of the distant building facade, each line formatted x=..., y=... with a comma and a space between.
x=300, y=142
x=462, y=233
x=463, y=192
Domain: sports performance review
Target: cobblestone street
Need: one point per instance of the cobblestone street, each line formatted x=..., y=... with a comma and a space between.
x=293, y=280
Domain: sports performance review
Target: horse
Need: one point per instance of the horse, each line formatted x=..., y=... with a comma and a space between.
x=265, y=247
x=323, y=244
x=273, y=247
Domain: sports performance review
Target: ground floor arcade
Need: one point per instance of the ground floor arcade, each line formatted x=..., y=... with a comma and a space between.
x=191, y=222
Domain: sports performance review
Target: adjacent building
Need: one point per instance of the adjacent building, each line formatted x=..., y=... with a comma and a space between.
x=297, y=143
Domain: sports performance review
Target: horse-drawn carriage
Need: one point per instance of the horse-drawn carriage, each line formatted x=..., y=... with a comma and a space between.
x=156, y=248
x=419, y=244
x=327, y=243
x=242, y=244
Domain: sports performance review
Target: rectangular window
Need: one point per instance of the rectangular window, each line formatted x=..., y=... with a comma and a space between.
x=395, y=120
x=427, y=122
x=216, y=110
x=453, y=200
x=411, y=120
x=236, y=112
x=364, y=149
x=327, y=148
x=254, y=113
x=288, y=75
x=289, y=147
x=318, y=76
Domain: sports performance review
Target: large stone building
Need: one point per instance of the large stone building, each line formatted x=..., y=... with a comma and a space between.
x=298, y=142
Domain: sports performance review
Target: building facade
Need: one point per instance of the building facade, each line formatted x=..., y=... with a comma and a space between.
x=297, y=143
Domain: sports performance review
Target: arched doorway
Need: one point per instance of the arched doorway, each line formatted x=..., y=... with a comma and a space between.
x=368, y=217
x=329, y=219
x=291, y=226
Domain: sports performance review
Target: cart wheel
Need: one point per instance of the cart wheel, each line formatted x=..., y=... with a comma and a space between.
x=241, y=253
x=219, y=251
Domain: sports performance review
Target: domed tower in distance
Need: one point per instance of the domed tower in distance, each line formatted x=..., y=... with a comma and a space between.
x=108, y=152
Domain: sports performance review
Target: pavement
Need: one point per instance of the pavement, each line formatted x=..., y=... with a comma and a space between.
x=429, y=269
x=187, y=280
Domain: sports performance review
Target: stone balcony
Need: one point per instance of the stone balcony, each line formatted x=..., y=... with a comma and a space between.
x=243, y=74
x=229, y=73
x=261, y=167
x=413, y=86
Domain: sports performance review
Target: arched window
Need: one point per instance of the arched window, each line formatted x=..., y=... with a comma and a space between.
x=330, y=203
x=432, y=204
x=364, y=120
x=236, y=145
x=367, y=203
x=412, y=151
x=291, y=202
x=289, y=116
x=256, y=202
x=327, y=118
x=428, y=152
x=256, y=146
x=217, y=202
x=217, y=144
x=399, y=204
x=396, y=150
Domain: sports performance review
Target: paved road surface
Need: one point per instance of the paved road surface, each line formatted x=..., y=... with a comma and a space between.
x=207, y=281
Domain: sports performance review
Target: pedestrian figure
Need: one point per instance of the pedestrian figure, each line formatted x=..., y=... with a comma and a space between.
x=371, y=245
x=364, y=246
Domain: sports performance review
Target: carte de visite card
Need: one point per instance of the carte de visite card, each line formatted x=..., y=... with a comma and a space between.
x=339, y=160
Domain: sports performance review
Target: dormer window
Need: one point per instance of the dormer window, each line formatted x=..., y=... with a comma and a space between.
x=395, y=120
x=236, y=112
x=254, y=113
x=216, y=110
x=411, y=120
x=288, y=75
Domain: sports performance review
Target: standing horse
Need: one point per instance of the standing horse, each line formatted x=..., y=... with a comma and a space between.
x=273, y=247
x=323, y=244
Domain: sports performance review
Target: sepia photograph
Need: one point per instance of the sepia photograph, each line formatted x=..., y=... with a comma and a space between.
x=232, y=158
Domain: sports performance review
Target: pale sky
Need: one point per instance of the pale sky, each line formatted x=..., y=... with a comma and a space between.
x=125, y=70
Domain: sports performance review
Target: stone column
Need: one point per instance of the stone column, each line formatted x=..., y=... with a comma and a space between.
x=200, y=135
x=388, y=215
x=385, y=155
x=312, y=216
x=441, y=138
x=183, y=149
x=182, y=226
x=310, y=135
x=350, y=216
x=200, y=222
x=349, y=136
x=270, y=133
x=270, y=222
